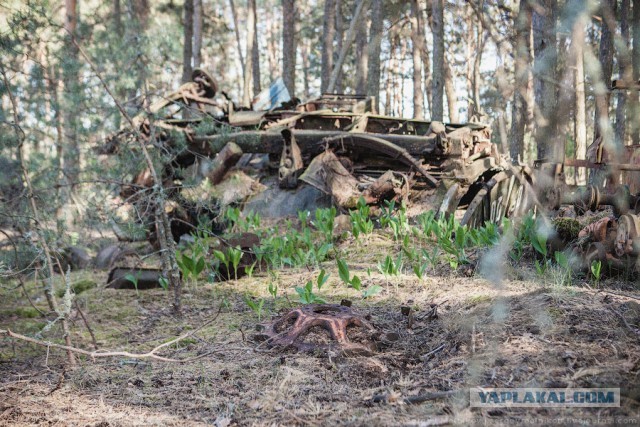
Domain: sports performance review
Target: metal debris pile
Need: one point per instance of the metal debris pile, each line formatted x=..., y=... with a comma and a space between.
x=332, y=150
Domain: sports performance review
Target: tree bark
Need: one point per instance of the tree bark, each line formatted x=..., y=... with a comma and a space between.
x=117, y=17
x=523, y=82
x=236, y=29
x=601, y=118
x=400, y=75
x=426, y=60
x=306, y=65
x=255, y=52
x=375, y=41
x=625, y=69
x=339, y=44
x=71, y=150
x=437, y=103
x=545, y=53
x=450, y=92
x=361, y=58
x=247, y=95
x=337, y=69
x=329, y=33
x=273, y=41
x=197, y=33
x=187, y=47
x=635, y=95
x=580, y=127
x=416, y=53
x=289, y=18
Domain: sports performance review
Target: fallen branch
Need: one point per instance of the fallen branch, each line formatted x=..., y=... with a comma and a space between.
x=97, y=353
x=631, y=328
x=413, y=400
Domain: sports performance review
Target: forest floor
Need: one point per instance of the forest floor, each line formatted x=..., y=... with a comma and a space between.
x=523, y=330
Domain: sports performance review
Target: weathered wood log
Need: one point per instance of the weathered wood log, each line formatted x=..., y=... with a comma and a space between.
x=226, y=159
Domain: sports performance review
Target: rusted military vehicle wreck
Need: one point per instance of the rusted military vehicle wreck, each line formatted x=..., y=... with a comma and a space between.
x=280, y=158
x=334, y=149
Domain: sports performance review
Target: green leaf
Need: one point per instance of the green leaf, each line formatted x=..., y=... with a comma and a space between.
x=199, y=266
x=356, y=283
x=133, y=279
x=322, y=278
x=343, y=271
x=419, y=269
x=596, y=267
x=188, y=263
x=220, y=256
x=371, y=291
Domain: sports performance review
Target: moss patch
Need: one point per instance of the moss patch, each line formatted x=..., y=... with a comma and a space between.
x=78, y=287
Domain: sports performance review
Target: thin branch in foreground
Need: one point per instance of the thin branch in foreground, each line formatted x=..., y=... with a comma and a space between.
x=98, y=353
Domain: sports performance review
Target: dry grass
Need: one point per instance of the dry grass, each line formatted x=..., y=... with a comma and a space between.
x=520, y=333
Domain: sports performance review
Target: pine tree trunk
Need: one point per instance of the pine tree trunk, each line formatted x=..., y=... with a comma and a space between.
x=289, y=18
x=635, y=95
x=476, y=78
x=522, y=90
x=117, y=17
x=273, y=41
x=470, y=37
x=247, y=92
x=437, y=103
x=626, y=71
x=401, y=74
x=375, y=41
x=416, y=54
x=255, y=53
x=236, y=29
x=71, y=151
x=339, y=44
x=426, y=61
x=450, y=92
x=361, y=58
x=197, y=33
x=351, y=33
x=580, y=127
x=601, y=118
x=328, y=35
x=306, y=65
x=545, y=52
x=187, y=47
x=389, y=78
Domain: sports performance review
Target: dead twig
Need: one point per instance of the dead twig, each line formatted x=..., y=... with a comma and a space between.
x=26, y=294
x=97, y=353
x=635, y=331
x=86, y=324
x=414, y=400
x=432, y=352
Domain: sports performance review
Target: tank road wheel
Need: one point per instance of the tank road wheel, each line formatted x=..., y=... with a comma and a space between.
x=504, y=195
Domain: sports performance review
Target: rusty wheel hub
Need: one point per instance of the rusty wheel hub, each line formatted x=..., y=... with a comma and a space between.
x=320, y=328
